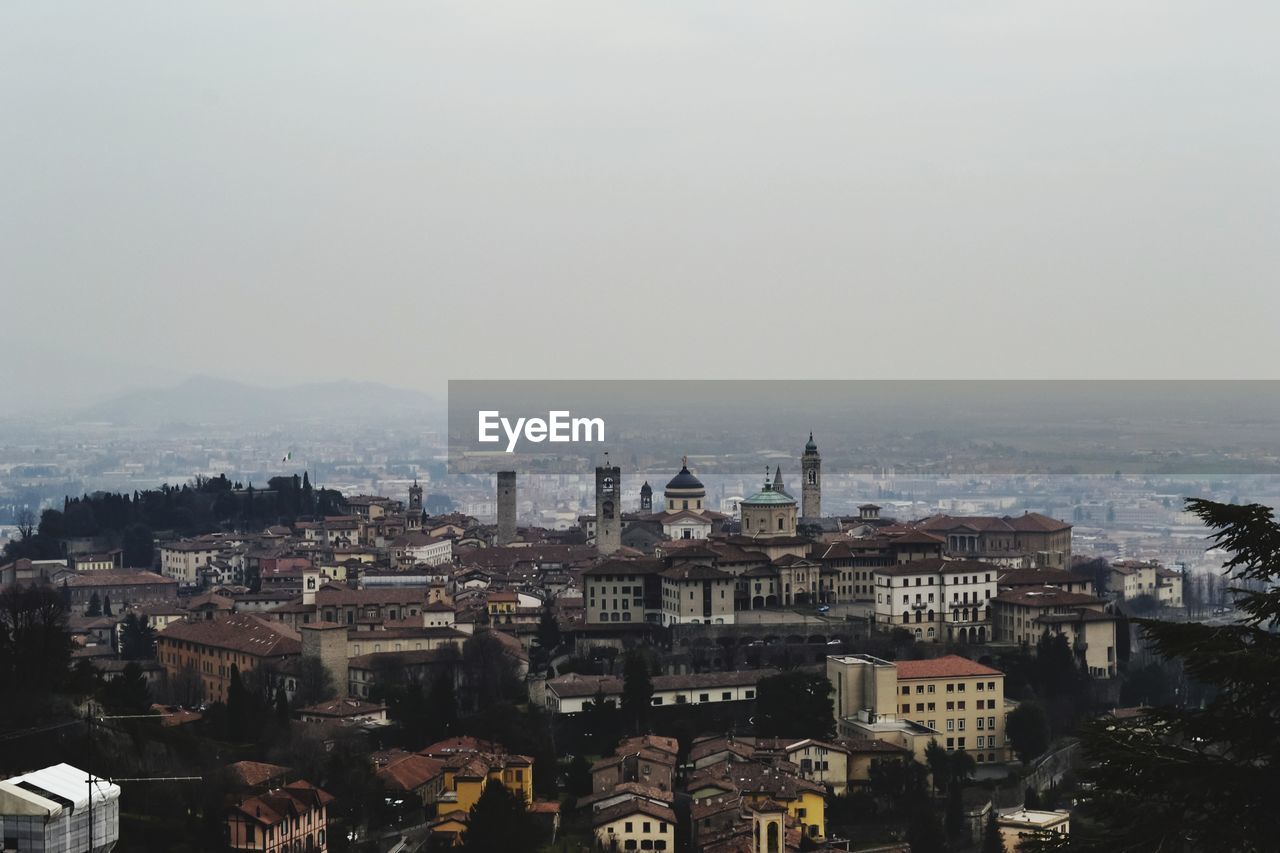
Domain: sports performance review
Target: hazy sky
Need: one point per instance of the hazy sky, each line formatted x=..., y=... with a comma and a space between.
x=418, y=191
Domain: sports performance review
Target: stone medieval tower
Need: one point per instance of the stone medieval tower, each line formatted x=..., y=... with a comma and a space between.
x=811, y=488
x=608, y=508
x=506, y=508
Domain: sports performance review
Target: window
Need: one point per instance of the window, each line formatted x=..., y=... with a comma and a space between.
x=726, y=696
x=751, y=694
x=704, y=697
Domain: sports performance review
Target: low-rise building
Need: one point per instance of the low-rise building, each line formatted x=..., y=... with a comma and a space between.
x=1020, y=824
x=568, y=694
x=294, y=817
x=470, y=763
x=635, y=824
x=59, y=808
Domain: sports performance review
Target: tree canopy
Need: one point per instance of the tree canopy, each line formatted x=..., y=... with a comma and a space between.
x=1183, y=779
x=795, y=704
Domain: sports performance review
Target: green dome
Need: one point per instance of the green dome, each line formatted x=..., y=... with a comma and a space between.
x=768, y=497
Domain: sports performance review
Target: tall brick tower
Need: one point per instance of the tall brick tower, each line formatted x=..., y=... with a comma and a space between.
x=506, y=507
x=608, y=507
x=811, y=488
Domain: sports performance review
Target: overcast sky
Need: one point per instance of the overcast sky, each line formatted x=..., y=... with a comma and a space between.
x=422, y=191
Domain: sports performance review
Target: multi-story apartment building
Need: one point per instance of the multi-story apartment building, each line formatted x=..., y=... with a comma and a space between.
x=1132, y=578
x=960, y=698
x=1023, y=615
x=207, y=649
x=937, y=599
x=1169, y=587
x=623, y=591
x=696, y=594
x=952, y=700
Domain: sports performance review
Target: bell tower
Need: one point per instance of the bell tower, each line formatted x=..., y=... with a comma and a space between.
x=608, y=507
x=415, y=497
x=811, y=488
x=768, y=828
x=646, y=497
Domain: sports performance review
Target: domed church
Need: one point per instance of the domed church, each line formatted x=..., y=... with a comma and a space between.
x=770, y=512
x=684, y=513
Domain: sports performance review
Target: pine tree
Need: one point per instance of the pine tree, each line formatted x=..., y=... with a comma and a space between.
x=106, y=606
x=1197, y=778
x=548, y=632
x=637, y=692
x=283, y=715
x=499, y=823
x=95, y=606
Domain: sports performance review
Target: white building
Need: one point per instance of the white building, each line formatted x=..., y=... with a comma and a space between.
x=52, y=811
x=937, y=599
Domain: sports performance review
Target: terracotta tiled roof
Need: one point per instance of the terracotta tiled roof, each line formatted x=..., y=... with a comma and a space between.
x=238, y=632
x=948, y=666
x=1046, y=596
x=634, y=806
x=407, y=771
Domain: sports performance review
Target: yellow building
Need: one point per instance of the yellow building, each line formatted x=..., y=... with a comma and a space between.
x=951, y=699
x=501, y=605
x=637, y=824
x=469, y=764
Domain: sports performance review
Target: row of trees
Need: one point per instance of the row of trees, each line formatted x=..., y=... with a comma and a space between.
x=203, y=505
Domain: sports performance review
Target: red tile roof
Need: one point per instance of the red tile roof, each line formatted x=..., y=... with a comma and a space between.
x=948, y=666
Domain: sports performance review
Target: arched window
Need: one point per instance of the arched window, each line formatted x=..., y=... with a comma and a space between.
x=813, y=476
x=779, y=523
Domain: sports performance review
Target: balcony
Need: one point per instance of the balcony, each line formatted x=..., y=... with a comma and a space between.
x=919, y=605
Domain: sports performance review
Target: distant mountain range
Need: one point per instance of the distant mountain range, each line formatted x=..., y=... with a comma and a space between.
x=205, y=399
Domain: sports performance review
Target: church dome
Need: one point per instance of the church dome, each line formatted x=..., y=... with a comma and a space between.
x=769, y=497
x=685, y=481
x=811, y=446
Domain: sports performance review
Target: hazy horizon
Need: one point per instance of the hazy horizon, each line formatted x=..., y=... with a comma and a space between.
x=409, y=193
